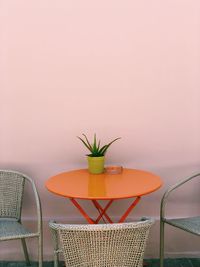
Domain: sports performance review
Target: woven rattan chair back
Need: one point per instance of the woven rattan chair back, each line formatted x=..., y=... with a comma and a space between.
x=104, y=245
x=11, y=192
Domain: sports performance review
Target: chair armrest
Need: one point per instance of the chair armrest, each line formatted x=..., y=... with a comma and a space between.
x=55, y=237
x=37, y=202
x=172, y=188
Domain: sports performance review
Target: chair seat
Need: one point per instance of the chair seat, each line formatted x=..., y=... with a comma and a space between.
x=11, y=229
x=191, y=224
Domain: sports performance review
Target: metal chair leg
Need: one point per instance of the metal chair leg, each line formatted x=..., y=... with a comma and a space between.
x=56, y=259
x=161, y=243
x=25, y=252
x=40, y=251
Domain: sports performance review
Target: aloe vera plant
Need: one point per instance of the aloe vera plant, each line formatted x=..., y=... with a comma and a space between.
x=96, y=150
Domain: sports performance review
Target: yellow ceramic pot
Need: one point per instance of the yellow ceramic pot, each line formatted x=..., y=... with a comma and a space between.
x=96, y=164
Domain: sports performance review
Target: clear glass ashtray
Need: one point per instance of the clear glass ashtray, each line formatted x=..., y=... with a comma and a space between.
x=113, y=169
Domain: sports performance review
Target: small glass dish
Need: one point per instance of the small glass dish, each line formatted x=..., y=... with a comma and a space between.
x=113, y=169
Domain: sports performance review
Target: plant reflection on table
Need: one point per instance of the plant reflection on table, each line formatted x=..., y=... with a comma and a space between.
x=96, y=186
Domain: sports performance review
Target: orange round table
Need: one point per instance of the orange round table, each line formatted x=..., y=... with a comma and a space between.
x=80, y=184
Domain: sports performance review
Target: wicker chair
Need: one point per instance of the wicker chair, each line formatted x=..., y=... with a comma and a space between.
x=11, y=194
x=110, y=245
x=190, y=224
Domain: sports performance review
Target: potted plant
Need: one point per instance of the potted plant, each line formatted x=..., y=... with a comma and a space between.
x=96, y=157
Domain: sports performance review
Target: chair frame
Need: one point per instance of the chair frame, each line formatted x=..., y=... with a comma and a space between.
x=38, y=233
x=163, y=218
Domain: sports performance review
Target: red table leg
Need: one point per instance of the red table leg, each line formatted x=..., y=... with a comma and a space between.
x=129, y=209
x=102, y=211
x=87, y=217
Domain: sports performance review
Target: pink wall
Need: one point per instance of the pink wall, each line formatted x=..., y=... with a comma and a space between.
x=117, y=68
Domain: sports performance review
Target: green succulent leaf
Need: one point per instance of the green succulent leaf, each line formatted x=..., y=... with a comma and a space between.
x=113, y=141
x=95, y=144
x=90, y=148
x=87, y=141
x=103, y=149
x=98, y=145
x=95, y=149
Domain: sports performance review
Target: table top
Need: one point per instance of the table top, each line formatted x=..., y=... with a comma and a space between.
x=83, y=185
